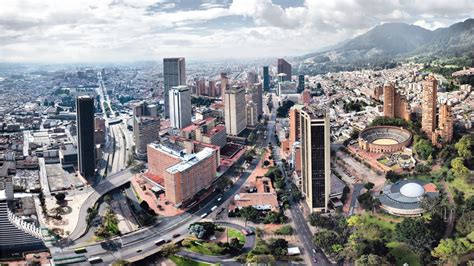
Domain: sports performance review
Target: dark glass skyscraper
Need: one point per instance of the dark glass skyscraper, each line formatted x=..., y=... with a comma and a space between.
x=174, y=74
x=85, y=135
x=300, y=83
x=285, y=68
x=266, y=79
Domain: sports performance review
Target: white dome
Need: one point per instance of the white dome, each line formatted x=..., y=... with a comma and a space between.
x=412, y=190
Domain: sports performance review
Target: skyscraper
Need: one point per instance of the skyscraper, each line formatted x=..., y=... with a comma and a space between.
x=174, y=74
x=428, y=105
x=224, y=83
x=146, y=127
x=444, y=132
x=251, y=114
x=180, y=106
x=300, y=83
x=252, y=78
x=234, y=112
x=266, y=79
x=257, y=97
x=294, y=120
x=315, y=155
x=85, y=135
x=284, y=68
x=395, y=105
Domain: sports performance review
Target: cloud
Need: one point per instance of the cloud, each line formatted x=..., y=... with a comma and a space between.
x=128, y=30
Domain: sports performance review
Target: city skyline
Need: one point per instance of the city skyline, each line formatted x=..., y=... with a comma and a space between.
x=127, y=31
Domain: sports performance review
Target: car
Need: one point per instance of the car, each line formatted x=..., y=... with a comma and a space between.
x=176, y=235
x=139, y=250
x=314, y=251
x=219, y=199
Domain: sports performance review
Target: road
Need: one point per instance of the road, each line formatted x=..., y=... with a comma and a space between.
x=302, y=228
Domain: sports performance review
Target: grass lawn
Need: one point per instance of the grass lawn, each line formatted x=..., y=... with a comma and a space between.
x=233, y=233
x=368, y=218
x=205, y=248
x=403, y=254
x=461, y=185
x=180, y=261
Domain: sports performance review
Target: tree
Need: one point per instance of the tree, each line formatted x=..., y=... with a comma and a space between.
x=449, y=250
x=370, y=260
x=169, y=250
x=464, y=146
x=423, y=148
x=368, y=202
x=459, y=169
x=60, y=197
x=121, y=263
x=202, y=230
x=369, y=186
x=326, y=239
x=278, y=247
x=284, y=230
x=249, y=213
x=392, y=176
x=266, y=163
x=416, y=233
x=465, y=223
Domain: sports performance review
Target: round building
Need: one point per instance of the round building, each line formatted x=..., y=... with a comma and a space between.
x=384, y=139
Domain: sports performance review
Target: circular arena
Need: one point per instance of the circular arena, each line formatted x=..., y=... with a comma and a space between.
x=384, y=139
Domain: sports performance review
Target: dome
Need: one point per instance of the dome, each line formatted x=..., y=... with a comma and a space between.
x=412, y=190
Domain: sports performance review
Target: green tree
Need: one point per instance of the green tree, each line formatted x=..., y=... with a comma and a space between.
x=278, y=247
x=202, y=230
x=459, y=169
x=416, y=233
x=465, y=223
x=284, y=230
x=326, y=239
x=370, y=260
x=250, y=214
x=369, y=185
x=423, y=148
x=449, y=250
x=464, y=146
x=169, y=250
x=60, y=197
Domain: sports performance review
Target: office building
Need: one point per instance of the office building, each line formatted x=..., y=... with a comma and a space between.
x=306, y=97
x=251, y=110
x=257, y=97
x=174, y=74
x=183, y=174
x=428, y=105
x=201, y=87
x=212, y=88
x=85, y=135
x=224, y=83
x=180, y=107
x=315, y=155
x=284, y=68
x=235, y=113
x=395, y=105
x=252, y=78
x=294, y=121
x=266, y=78
x=300, y=83
x=146, y=127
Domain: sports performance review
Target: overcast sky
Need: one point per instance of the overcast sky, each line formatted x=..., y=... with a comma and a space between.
x=62, y=31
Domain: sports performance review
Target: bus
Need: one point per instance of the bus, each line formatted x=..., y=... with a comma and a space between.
x=213, y=208
x=159, y=242
x=95, y=259
x=80, y=250
x=204, y=215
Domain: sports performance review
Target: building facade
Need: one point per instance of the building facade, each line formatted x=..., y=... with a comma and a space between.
x=174, y=74
x=146, y=127
x=235, y=113
x=180, y=107
x=300, y=83
x=85, y=135
x=266, y=78
x=395, y=105
x=428, y=105
x=315, y=157
x=444, y=132
x=251, y=116
x=284, y=68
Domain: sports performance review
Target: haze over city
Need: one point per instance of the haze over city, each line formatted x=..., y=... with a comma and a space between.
x=126, y=31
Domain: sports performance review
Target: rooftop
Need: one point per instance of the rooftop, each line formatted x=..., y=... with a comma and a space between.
x=189, y=160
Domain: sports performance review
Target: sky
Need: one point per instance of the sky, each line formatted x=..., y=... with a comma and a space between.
x=66, y=31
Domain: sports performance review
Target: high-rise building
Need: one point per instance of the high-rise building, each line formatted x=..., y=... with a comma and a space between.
x=212, y=88
x=306, y=96
x=444, y=132
x=284, y=68
x=300, y=83
x=395, y=105
x=315, y=155
x=146, y=127
x=428, y=105
x=294, y=121
x=85, y=135
x=257, y=97
x=224, y=83
x=251, y=114
x=174, y=74
x=252, y=78
x=201, y=87
x=180, y=106
x=235, y=113
x=266, y=79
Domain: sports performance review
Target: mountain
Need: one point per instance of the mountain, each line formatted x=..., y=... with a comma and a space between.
x=395, y=41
